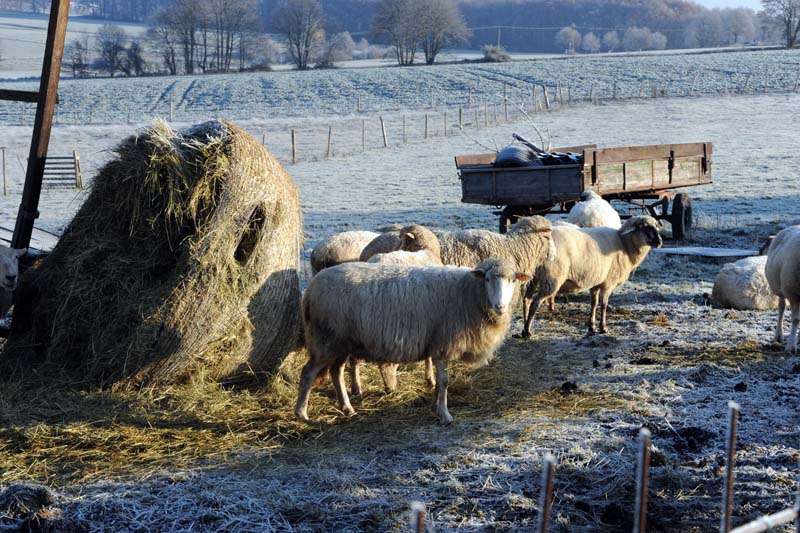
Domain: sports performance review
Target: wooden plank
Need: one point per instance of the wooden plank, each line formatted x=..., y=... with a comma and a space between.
x=474, y=159
x=639, y=153
x=715, y=255
x=45, y=105
x=20, y=96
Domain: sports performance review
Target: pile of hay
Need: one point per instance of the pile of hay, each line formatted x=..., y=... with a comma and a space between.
x=182, y=262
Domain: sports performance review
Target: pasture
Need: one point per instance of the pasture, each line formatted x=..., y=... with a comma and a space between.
x=212, y=458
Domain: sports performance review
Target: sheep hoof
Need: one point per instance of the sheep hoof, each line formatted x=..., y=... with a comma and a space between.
x=430, y=382
x=523, y=335
x=301, y=414
x=348, y=410
x=591, y=333
x=446, y=419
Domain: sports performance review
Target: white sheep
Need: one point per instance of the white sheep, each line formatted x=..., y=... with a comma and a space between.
x=399, y=313
x=418, y=246
x=783, y=275
x=9, y=275
x=340, y=248
x=595, y=259
x=386, y=242
x=594, y=212
x=744, y=285
x=527, y=245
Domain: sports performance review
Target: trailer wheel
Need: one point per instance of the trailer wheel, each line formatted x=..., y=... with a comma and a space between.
x=681, y=218
x=505, y=222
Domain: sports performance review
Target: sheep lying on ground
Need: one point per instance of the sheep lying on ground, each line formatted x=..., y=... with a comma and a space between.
x=9, y=274
x=398, y=313
x=744, y=285
x=783, y=275
x=340, y=248
x=594, y=212
x=594, y=259
x=527, y=245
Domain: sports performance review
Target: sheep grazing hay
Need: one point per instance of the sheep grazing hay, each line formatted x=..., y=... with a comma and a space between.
x=183, y=262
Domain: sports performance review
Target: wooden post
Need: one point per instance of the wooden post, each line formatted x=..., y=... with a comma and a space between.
x=78, y=172
x=533, y=97
x=45, y=104
x=546, y=97
x=170, y=107
x=727, y=487
x=746, y=81
x=358, y=104
x=485, y=114
x=294, y=147
x=426, y=125
x=591, y=93
x=642, y=476
x=615, y=89
x=330, y=141
x=505, y=100
x=363, y=135
x=569, y=94
x=383, y=130
x=418, y=515
x=796, y=83
x=263, y=139
x=469, y=98
x=404, y=129
x=460, y=118
x=477, y=122
x=445, y=123
x=5, y=180
x=694, y=80
x=495, y=113
x=560, y=94
x=546, y=493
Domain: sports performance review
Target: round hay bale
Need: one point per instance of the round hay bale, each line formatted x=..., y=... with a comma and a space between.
x=182, y=262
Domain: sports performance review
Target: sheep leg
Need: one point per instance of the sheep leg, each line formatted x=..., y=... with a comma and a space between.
x=389, y=375
x=791, y=342
x=355, y=376
x=337, y=376
x=603, y=310
x=532, y=307
x=430, y=376
x=307, y=376
x=595, y=293
x=551, y=303
x=441, y=391
x=779, y=330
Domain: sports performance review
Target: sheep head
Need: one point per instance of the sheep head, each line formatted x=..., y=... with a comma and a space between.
x=499, y=276
x=9, y=267
x=415, y=237
x=642, y=231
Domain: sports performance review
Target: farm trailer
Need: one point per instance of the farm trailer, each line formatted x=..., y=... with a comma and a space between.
x=643, y=176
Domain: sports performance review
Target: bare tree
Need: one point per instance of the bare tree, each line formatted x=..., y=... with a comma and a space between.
x=339, y=47
x=303, y=23
x=590, y=43
x=399, y=20
x=705, y=30
x=441, y=24
x=742, y=25
x=569, y=39
x=111, y=43
x=787, y=14
x=165, y=38
x=134, y=63
x=78, y=53
x=611, y=40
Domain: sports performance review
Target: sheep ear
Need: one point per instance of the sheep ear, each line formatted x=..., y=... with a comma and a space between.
x=522, y=277
x=478, y=273
x=409, y=236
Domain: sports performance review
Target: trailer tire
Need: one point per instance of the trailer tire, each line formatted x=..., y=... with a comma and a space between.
x=681, y=218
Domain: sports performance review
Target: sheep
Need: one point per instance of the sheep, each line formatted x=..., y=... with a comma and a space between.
x=594, y=259
x=594, y=212
x=527, y=245
x=340, y=248
x=744, y=285
x=783, y=275
x=9, y=275
x=418, y=246
x=386, y=242
x=400, y=313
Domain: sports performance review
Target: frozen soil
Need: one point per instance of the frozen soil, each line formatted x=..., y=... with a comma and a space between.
x=671, y=363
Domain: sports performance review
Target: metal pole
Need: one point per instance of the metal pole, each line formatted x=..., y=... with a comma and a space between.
x=727, y=488
x=642, y=477
x=45, y=104
x=546, y=494
x=418, y=515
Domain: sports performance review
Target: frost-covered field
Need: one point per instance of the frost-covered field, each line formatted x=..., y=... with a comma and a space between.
x=281, y=94
x=670, y=364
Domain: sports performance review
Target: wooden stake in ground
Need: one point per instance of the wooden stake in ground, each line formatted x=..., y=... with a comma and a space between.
x=642, y=476
x=170, y=107
x=505, y=100
x=363, y=135
x=460, y=118
x=426, y=126
x=383, y=130
x=546, y=97
x=546, y=493
x=328, y=151
x=294, y=147
x=445, y=123
x=418, y=515
x=730, y=460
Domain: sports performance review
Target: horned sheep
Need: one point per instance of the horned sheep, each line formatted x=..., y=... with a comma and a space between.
x=9, y=275
x=594, y=259
x=399, y=313
x=783, y=275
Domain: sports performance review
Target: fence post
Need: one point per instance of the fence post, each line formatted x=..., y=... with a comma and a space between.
x=445, y=123
x=383, y=130
x=477, y=122
x=546, y=493
x=418, y=515
x=569, y=94
x=615, y=90
x=694, y=80
x=170, y=107
x=727, y=486
x=426, y=125
x=546, y=97
x=469, y=98
x=358, y=104
x=591, y=94
x=404, y=129
x=505, y=99
x=533, y=97
x=78, y=173
x=460, y=118
x=294, y=146
x=642, y=476
x=485, y=114
x=330, y=141
x=746, y=81
x=495, y=113
x=5, y=182
x=560, y=94
x=363, y=135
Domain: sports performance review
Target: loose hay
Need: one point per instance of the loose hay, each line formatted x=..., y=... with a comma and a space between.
x=182, y=262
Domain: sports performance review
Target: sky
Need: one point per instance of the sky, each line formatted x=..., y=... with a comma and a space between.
x=752, y=4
